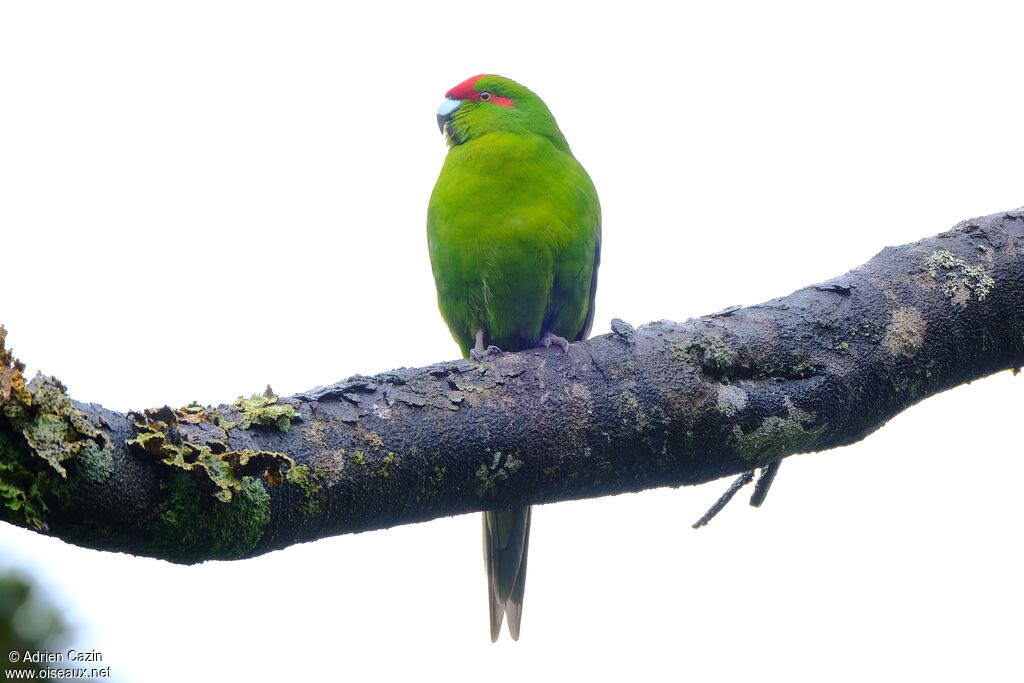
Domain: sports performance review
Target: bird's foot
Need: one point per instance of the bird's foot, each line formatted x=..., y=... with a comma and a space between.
x=479, y=351
x=549, y=339
x=479, y=354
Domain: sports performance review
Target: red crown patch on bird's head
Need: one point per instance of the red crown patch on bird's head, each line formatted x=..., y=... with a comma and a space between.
x=467, y=91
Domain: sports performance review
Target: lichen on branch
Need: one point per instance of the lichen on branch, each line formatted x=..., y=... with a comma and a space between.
x=42, y=429
x=216, y=469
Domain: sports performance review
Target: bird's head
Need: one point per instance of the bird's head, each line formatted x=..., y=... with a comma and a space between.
x=488, y=104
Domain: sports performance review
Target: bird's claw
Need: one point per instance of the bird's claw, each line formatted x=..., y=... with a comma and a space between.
x=480, y=354
x=549, y=339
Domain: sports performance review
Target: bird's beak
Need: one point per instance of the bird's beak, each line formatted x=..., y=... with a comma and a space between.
x=445, y=111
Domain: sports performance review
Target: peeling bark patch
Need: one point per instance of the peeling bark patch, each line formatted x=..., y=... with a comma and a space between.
x=957, y=279
x=905, y=333
x=409, y=398
x=623, y=330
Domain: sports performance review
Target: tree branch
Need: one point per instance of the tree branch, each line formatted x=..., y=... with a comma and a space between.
x=666, y=404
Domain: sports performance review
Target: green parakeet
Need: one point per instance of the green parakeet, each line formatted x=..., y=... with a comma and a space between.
x=514, y=232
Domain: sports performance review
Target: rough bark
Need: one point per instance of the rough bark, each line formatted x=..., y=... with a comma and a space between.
x=665, y=404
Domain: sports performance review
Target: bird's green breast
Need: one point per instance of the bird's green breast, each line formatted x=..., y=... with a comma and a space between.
x=512, y=229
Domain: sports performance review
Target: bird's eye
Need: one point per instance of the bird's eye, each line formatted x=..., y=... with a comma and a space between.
x=484, y=96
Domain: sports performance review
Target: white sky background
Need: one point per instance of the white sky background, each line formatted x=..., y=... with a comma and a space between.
x=199, y=198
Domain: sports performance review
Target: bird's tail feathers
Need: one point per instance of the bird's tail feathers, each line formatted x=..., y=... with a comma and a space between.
x=506, y=541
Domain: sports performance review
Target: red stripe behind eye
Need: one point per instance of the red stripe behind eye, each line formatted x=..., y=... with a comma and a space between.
x=466, y=91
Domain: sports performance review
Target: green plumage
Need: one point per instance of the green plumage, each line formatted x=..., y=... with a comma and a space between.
x=513, y=225
x=514, y=232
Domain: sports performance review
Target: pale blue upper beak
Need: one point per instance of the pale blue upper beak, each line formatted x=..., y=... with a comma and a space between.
x=444, y=112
